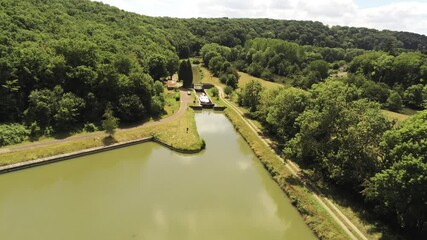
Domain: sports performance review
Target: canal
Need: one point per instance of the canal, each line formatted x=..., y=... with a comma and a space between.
x=147, y=191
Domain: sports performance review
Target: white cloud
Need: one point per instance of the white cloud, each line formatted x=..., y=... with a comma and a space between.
x=403, y=16
x=408, y=16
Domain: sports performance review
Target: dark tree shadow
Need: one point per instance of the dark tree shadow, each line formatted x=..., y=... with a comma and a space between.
x=207, y=86
x=127, y=125
x=62, y=135
x=110, y=140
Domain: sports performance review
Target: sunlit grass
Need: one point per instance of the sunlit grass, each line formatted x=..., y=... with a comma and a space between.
x=171, y=104
x=197, y=78
x=181, y=134
x=173, y=133
x=399, y=117
x=246, y=78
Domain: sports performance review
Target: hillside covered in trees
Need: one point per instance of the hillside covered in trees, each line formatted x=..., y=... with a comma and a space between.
x=233, y=32
x=63, y=62
x=66, y=63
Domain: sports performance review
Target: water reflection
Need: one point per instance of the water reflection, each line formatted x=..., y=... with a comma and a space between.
x=149, y=192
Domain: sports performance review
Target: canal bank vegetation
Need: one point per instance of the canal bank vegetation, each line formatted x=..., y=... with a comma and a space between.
x=333, y=126
x=278, y=112
x=348, y=143
x=314, y=215
x=62, y=66
x=180, y=134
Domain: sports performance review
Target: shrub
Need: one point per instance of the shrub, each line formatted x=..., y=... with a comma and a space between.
x=48, y=131
x=228, y=90
x=35, y=130
x=214, y=92
x=13, y=134
x=90, y=127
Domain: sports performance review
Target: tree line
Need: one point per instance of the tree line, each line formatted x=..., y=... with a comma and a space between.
x=63, y=62
x=234, y=32
x=345, y=138
x=393, y=81
x=67, y=64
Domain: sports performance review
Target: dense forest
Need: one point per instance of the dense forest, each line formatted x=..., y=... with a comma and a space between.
x=63, y=62
x=233, y=32
x=66, y=63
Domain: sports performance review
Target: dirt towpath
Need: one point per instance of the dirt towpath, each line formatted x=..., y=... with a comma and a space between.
x=184, y=98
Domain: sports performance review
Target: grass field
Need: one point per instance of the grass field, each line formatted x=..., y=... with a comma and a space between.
x=197, y=78
x=175, y=133
x=245, y=78
x=401, y=116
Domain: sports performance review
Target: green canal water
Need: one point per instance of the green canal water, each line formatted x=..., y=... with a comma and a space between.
x=150, y=192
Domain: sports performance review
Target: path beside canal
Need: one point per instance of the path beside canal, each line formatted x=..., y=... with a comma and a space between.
x=352, y=231
x=184, y=98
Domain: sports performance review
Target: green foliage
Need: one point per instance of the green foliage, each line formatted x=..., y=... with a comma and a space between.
x=228, y=90
x=54, y=108
x=407, y=70
x=157, y=66
x=131, y=108
x=404, y=174
x=109, y=122
x=13, y=134
x=394, y=101
x=378, y=92
x=280, y=109
x=319, y=66
x=188, y=81
x=158, y=88
x=68, y=112
x=157, y=105
x=233, y=32
x=35, y=130
x=399, y=192
x=339, y=134
x=216, y=58
x=214, y=92
x=250, y=95
x=266, y=57
x=62, y=61
x=83, y=48
x=185, y=73
x=407, y=139
x=90, y=127
x=414, y=96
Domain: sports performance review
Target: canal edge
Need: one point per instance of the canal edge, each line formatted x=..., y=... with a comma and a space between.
x=81, y=153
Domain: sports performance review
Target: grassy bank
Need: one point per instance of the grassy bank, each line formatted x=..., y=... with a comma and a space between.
x=197, y=75
x=172, y=133
x=246, y=78
x=171, y=104
x=316, y=217
x=180, y=134
x=313, y=214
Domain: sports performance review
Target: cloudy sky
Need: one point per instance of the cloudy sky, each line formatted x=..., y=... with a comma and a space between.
x=400, y=15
